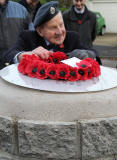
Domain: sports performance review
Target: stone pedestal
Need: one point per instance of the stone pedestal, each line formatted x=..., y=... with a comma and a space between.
x=38, y=125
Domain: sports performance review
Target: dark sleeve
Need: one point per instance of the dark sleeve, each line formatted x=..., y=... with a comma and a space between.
x=75, y=43
x=65, y=18
x=20, y=45
x=78, y=43
x=94, y=31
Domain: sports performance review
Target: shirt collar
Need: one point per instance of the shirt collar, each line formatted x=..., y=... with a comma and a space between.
x=47, y=42
x=79, y=12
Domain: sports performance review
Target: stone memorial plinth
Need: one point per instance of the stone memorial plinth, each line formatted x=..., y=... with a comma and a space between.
x=40, y=125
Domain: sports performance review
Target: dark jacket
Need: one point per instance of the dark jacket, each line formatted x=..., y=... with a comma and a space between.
x=31, y=11
x=13, y=20
x=29, y=40
x=85, y=24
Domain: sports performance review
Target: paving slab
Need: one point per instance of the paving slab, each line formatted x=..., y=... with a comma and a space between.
x=106, y=51
x=108, y=39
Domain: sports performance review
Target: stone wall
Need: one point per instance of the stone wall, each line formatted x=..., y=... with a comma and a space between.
x=94, y=139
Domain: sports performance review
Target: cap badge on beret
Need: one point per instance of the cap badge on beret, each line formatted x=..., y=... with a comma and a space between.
x=52, y=10
x=46, y=12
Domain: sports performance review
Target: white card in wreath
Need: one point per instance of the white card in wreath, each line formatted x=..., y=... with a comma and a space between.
x=71, y=61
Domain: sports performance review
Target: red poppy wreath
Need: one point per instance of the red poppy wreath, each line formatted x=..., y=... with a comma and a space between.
x=53, y=68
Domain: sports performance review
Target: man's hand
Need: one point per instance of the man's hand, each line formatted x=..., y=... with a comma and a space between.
x=42, y=52
x=39, y=51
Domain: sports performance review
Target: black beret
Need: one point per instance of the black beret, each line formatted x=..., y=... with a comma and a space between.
x=45, y=13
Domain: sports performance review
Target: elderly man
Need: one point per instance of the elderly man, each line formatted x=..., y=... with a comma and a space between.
x=80, y=19
x=50, y=35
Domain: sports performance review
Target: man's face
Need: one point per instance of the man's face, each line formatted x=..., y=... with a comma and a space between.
x=2, y=2
x=79, y=4
x=32, y=3
x=53, y=30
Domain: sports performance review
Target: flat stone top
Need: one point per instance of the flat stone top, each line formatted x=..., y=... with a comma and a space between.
x=51, y=106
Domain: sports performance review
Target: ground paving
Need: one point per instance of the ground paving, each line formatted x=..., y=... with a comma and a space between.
x=107, y=48
x=109, y=39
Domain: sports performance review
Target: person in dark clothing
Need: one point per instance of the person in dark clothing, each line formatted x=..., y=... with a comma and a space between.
x=78, y=18
x=50, y=35
x=32, y=6
x=13, y=20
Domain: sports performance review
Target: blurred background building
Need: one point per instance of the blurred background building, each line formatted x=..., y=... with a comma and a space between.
x=109, y=11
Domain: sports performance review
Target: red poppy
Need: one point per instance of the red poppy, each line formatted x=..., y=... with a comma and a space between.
x=41, y=70
x=73, y=74
x=31, y=57
x=95, y=67
x=61, y=45
x=31, y=69
x=83, y=64
x=83, y=68
x=62, y=71
x=83, y=73
x=79, y=22
x=24, y=62
x=58, y=56
x=51, y=71
x=89, y=71
x=49, y=60
x=21, y=66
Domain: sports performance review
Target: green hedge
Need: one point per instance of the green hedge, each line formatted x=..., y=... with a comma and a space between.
x=63, y=6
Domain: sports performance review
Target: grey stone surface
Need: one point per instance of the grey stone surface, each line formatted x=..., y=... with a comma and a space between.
x=55, y=141
x=114, y=157
x=7, y=156
x=94, y=139
x=99, y=138
x=6, y=138
x=50, y=106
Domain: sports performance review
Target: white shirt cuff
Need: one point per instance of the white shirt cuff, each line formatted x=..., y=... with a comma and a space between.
x=15, y=59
